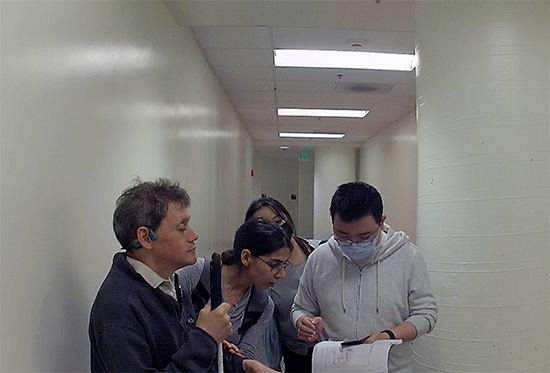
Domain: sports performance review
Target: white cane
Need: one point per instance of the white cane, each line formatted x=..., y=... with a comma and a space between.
x=216, y=296
x=220, y=358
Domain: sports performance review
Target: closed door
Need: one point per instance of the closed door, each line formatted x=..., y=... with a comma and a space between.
x=280, y=181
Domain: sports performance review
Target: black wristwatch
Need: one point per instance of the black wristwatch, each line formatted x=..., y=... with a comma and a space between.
x=390, y=333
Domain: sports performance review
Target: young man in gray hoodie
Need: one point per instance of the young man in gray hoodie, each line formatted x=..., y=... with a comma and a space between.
x=366, y=280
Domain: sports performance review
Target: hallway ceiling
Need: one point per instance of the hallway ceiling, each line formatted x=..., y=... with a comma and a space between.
x=238, y=39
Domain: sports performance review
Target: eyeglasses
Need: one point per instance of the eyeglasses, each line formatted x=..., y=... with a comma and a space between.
x=275, y=268
x=279, y=221
x=362, y=242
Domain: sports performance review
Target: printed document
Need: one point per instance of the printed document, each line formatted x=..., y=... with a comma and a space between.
x=331, y=356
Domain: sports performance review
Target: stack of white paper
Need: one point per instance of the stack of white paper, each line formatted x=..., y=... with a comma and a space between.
x=331, y=356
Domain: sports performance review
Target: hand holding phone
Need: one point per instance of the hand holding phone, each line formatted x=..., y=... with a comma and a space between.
x=354, y=342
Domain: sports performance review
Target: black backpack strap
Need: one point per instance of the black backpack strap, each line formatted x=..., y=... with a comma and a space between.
x=201, y=294
x=254, y=309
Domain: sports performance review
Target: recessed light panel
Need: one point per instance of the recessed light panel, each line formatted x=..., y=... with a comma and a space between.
x=336, y=113
x=304, y=135
x=344, y=59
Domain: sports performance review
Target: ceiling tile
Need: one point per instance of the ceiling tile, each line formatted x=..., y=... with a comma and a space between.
x=367, y=104
x=253, y=95
x=244, y=72
x=305, y=86
x=269, y=114
x=248, y=85
x=336, y=75
x=266, y=105
x=340, y=39
x=245, y=57
x=233, y=36
x=323, y=98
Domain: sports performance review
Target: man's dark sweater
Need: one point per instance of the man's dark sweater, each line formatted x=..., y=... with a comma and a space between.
x=135, y=327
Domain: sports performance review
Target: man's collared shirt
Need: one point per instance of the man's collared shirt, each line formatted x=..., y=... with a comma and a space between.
x=152, y=278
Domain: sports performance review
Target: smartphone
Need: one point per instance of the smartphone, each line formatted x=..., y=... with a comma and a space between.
x=353, y=342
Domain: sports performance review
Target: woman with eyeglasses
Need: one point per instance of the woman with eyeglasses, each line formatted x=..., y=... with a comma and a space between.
x=260, y=255
x=297, y=353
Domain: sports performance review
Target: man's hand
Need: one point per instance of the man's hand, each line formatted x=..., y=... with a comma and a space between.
x=216, y=323
x=232, y=349
x=253, y=366
x=309, y=328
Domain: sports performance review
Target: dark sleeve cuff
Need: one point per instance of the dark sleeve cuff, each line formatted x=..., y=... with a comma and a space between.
x=233, y=363
x=198, y=353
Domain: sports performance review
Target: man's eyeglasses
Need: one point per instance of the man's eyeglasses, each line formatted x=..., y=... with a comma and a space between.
x=367, y=241
x=275, y=268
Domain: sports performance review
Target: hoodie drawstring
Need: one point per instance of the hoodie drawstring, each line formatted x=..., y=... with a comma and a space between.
x=343, y=278
x=377, y=285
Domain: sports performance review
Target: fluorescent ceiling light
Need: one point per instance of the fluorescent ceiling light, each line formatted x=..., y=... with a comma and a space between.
x=322, y=113
x=302, y=135
x=344, y=59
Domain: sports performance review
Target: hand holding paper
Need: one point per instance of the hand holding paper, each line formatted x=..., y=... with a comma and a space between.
x=331, y=356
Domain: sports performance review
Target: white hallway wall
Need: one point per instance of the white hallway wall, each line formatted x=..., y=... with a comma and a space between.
x=483, y=89
x=388, y=161
x=93, y=94
x=332, y=167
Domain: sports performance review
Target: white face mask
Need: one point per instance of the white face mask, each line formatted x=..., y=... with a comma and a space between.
x=357, y=251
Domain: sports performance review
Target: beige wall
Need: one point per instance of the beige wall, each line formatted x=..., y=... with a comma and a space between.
x=332, y=167
x=388, y=161
x=95, y=93
x=483, y=226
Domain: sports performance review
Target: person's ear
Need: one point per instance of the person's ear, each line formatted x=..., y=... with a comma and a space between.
x=382, y=220
x=246, y=257
x=145, y=237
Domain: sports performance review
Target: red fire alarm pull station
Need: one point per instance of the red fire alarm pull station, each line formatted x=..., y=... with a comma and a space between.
x=251, y=172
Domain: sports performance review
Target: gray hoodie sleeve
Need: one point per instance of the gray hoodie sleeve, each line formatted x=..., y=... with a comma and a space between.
x=305, y=301
x=422, y=305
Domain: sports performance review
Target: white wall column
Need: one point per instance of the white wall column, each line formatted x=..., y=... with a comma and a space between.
x=388, y=161
x=333, y=166
x=483, y=182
